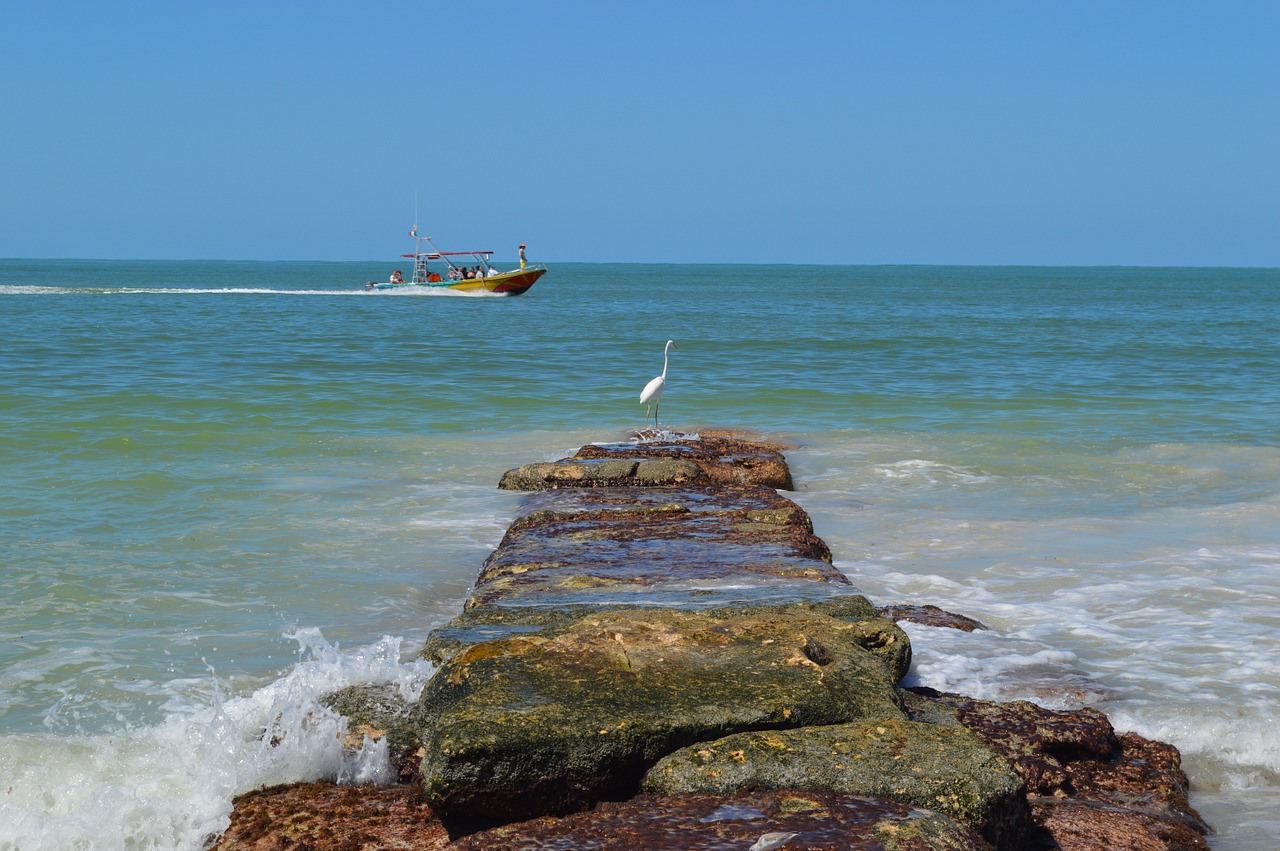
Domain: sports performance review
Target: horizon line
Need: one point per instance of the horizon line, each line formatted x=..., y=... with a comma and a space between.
x=987, y=265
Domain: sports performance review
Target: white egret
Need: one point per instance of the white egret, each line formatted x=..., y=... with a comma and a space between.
x=651, y=395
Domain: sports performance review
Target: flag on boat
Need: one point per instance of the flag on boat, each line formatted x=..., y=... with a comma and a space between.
x=414, y=231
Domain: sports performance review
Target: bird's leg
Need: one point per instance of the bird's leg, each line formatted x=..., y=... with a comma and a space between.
x=656, y=405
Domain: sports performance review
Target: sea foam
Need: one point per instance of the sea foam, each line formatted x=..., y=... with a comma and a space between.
x=170, y=786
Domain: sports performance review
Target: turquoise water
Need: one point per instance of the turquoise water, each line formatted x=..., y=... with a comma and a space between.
x=231, y=486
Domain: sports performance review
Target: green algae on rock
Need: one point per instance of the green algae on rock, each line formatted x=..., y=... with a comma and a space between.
x=483, y=623
x=539, y=725
x=946, y=769
x=377, y=711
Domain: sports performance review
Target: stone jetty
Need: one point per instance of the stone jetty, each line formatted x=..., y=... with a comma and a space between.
x=660, y=655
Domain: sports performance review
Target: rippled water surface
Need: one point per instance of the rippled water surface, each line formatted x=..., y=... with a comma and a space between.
x=230, y=487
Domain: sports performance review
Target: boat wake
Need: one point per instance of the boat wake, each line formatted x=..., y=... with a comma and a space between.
x=71, y=290
x=416, y=292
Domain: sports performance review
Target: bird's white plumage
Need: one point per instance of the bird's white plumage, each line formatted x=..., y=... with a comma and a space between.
x=651, y=395
x=652, y=389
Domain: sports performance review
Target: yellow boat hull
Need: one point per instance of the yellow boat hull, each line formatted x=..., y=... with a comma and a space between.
x=506, y=283
x=516, y=282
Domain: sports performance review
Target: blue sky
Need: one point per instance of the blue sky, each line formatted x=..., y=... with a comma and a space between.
x=1089, y=133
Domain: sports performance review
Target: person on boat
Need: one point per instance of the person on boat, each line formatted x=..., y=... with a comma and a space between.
x=522, y=257
x=453, y=273
x=492, y=271
x=480, y=272
x=397, y=277
x=433, y=278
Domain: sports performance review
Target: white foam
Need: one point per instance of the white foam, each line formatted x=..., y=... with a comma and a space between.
x=931, y=472
x=170, y=786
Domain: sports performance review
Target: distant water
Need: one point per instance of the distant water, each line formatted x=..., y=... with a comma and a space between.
x=228, y=488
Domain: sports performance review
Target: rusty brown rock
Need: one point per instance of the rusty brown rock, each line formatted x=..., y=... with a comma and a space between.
x=719, y=458
x=1111, y=782
x=1143, y=777
x=1077, y=824
x=724, y=458
x=1035, y=740
x=325, y=817
x=821, y=821
x=600, y=473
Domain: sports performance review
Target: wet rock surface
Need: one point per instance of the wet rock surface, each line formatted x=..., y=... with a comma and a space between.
x=1080, y=775
x=325, y=817
x=486, y=623
x=1084, y=825
x=821, y=821
x=377, y=711
x=931, y=616
x=716, y=457
x=549, y=724
x=943, y=768
x=691, y=547
x=576, y=551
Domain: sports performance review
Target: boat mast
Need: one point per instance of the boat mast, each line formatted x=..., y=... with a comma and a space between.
x=420, y=270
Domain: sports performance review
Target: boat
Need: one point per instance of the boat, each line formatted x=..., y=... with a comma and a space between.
x=450, y=272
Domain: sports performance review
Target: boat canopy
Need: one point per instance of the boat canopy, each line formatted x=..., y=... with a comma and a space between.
x=436, y=255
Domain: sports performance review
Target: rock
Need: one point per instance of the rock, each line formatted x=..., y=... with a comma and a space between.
x=521, y=727
x=574, y=473
x=944, y=768
x=1084, y=825
x=325, y=817
x=487, y=623
x=822, y=821
x=930, y=616
x=724, y=459
x=689, y=547
x=1036, y=741
x=719, y=458
x=378, y=711
x=1141, y=777
x=1096, y=789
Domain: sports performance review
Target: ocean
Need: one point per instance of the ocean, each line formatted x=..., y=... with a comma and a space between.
x=230, y=487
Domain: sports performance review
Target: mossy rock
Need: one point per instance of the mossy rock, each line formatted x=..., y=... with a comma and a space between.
x=943, y=768
x=378, y=711
x=659, y=472
x=483, y=623
x=537, y=725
